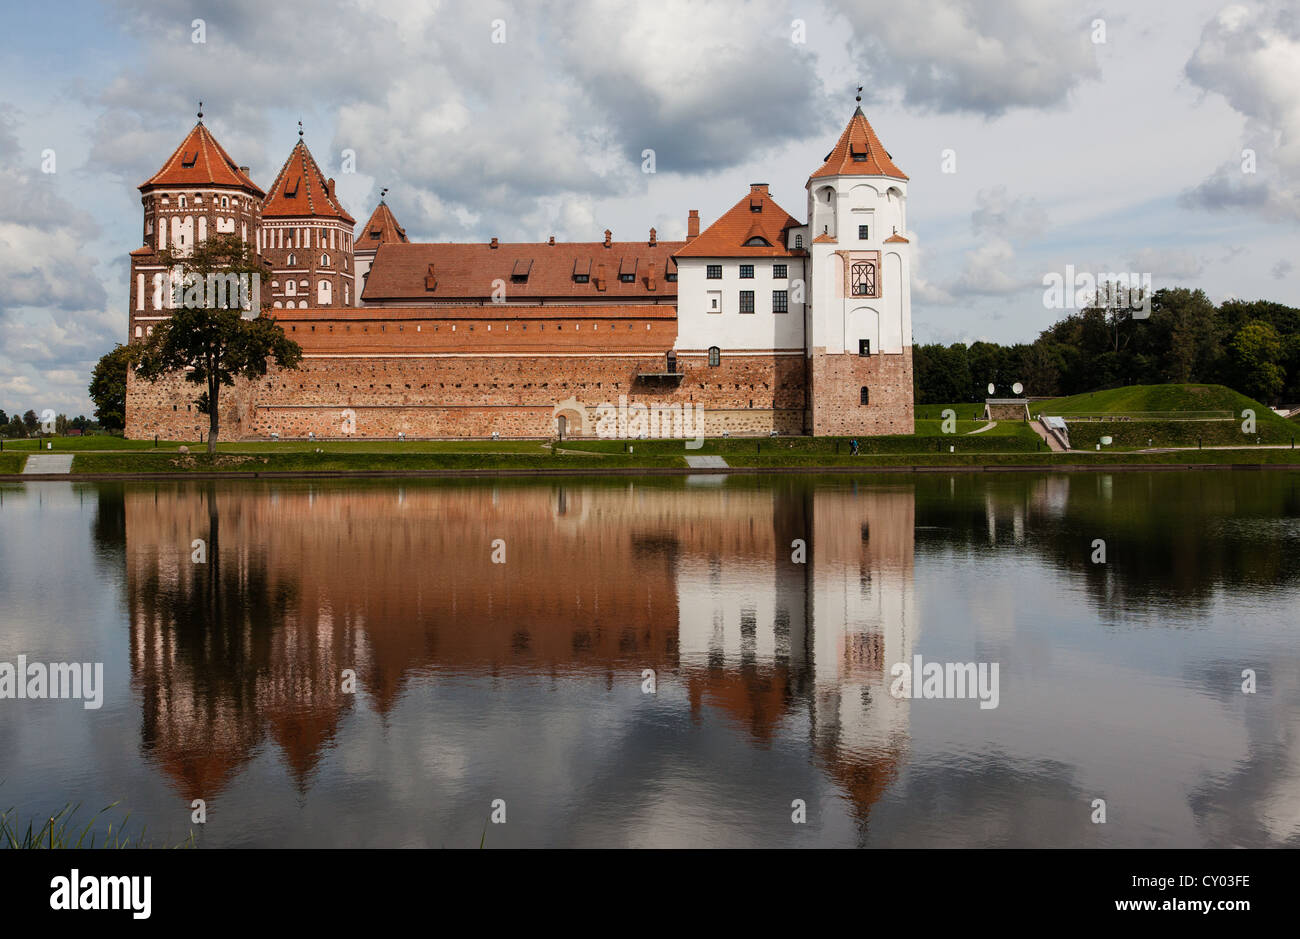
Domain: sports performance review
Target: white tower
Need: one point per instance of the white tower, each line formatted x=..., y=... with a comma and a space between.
x=859, y=315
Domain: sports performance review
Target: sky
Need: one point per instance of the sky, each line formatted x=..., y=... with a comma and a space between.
x=1161, y=138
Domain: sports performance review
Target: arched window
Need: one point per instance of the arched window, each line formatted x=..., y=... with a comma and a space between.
x=181, y=203
x=862, y=279
x=290, y=287
x=715, y=355
x=863, y=396
x=225, y=202
x=324, y=260
x=292, y=260
x=139, y=331
x=302, y=304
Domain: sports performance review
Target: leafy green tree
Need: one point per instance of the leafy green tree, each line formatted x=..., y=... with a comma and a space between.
x=210, y=335
x=108, y=387
x=1256, y=354
x=4, y=418
x=30, y=423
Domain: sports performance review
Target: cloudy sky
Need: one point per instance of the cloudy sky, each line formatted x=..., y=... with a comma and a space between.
x=1105, y=135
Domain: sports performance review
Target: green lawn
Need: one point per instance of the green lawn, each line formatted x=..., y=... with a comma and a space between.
x=12, y=462
x=970, y=410
x=1154, y=408
x=1136, y=399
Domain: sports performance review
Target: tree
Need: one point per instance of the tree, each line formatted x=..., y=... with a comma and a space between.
x=208, y=333
x=30, y=423
x=108, y=387
x=1256, y=353
x=4, y=418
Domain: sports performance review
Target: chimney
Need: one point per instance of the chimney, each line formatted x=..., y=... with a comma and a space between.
x=244, y=170
x=607, y=234
x=758, y=187
x=551, y=241
x=494, y=243
x=653, y=241
x=693, y=224
x=430, y=280
x=329, y=184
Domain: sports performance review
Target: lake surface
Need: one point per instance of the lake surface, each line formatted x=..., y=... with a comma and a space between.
x=528, y=681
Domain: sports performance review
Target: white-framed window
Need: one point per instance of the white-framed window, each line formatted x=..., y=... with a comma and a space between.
x=324, y=293
x=324, y=260
x=290, y=287
x=293, y=260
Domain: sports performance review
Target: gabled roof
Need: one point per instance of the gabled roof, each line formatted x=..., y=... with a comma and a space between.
x=382, y=228
x=859, y=152
x=401, y=271
x=302, y=191
x=754, y=216
x=200, y=161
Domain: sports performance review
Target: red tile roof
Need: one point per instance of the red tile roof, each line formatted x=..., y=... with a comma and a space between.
x=859, y=152
x=302, y=191
x=754, y=216
x=200, y=161
x=402, y=271
x=897, y=239
x=382, y=228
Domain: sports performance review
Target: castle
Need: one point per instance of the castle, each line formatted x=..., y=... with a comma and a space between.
x=763, y=323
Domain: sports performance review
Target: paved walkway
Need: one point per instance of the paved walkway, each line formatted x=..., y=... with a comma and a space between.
x=45, y=463
x=989, y=426
x=706, y=462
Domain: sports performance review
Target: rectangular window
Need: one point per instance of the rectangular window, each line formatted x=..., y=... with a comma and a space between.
x=779, y=272
x=627, y=278
x=862, y=232
x=747, y=301
x=780, y=301
x=581, y=278
x=714, y=272
x=864, y=347
x=746, y=272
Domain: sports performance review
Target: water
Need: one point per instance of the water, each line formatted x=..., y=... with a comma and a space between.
x=524, y=681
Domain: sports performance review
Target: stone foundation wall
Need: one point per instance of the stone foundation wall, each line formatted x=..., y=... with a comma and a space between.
x=836, y=382
x=475, y=396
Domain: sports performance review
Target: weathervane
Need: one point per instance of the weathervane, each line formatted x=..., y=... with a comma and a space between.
x=859, y=97
x=300, y=128
x=383, y=192
x=200, y=112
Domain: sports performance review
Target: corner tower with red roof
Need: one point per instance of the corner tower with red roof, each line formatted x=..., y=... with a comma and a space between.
x=859, y=317
x=380, y=229
x=200, y=191
x=306, y=234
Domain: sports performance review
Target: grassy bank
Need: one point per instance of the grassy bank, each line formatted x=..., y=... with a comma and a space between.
x=644, y=458
x=12, y=462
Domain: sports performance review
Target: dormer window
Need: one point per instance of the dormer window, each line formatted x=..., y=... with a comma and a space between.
x=291, y=189
x=519, y=274
x=581, y=278
x=757, y=242
x=189, y=159
x=627, y=278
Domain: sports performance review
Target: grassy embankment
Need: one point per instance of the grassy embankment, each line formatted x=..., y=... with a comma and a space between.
x=1146, y=416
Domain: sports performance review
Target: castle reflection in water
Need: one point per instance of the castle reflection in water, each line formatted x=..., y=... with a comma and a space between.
x=600, y=582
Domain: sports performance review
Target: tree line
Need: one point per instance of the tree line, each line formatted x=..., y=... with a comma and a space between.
x=1250, y=346
x=29, y=425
